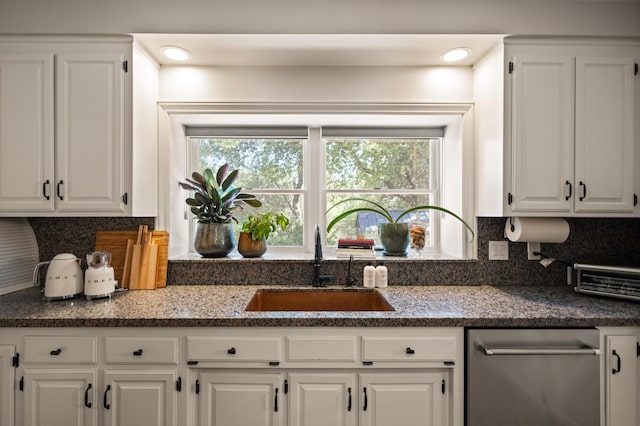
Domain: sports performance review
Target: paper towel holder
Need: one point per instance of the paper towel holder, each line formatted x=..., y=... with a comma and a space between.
x=535, y=231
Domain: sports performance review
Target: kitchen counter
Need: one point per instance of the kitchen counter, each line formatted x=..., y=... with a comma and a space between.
x=419, y=306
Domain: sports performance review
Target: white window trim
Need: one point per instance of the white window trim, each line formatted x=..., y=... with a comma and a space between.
x=173, y=117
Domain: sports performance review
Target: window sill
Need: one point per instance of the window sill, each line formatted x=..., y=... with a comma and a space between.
x=329, y=254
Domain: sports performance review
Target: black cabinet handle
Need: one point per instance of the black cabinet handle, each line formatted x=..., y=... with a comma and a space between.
x=197, y=387
x=179, y=384
x=410, y=351
x=104, y=400
x=349, y=401
x=584, y=190
x=366, y=401
x=619, y=363
x=44, y=190
x=570, y=190
x=58, y=189
x=87, y=403
x=137, y=353
x=56, y=352
x=231, y=351
x=275, y=402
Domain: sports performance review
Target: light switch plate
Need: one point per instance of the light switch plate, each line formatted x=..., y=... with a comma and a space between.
x=498, y=250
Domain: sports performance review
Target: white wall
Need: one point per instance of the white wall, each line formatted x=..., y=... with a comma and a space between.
x=315, y=84
x=488, y=89
x=574, y=17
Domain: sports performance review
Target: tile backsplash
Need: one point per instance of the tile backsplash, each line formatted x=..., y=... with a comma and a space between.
x=592, y=240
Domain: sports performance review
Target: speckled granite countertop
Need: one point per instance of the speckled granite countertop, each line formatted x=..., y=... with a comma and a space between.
x=223, y=306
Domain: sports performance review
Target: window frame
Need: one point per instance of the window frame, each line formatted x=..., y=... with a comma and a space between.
x=314, y=189
x=459, y=194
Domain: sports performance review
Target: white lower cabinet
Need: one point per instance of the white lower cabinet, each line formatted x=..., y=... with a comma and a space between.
x=60, y=397
x=140, y=398
x=407, y=399
x=240, y=399
x=621, y=371
x=327, y=377
x=323, y=399
x=7, y=385
x=231, y=376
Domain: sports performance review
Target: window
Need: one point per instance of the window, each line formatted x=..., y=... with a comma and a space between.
x=395, y=167
x=298, y=170
x=270, y=164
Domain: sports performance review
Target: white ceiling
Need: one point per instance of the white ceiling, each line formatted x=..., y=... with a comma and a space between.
x=317, y=50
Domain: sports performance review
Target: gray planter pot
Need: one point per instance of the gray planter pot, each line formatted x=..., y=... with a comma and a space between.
x=214, y=239
x=394, y=238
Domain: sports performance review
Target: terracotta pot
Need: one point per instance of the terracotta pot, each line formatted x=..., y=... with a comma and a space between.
x=214, y=239
x=249, y=247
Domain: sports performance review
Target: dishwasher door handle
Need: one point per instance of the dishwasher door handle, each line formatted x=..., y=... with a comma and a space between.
x=539, y=351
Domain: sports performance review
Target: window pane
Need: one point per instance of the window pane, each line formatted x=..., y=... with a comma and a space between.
x=378, y=163
x=263, y=163
x=365, y=224
x=292, y=205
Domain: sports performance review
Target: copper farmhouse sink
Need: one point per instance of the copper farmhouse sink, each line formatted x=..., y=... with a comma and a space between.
x=318, y=300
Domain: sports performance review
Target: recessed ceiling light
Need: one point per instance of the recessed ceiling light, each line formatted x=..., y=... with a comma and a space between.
x=175, y=53
x=457, y=54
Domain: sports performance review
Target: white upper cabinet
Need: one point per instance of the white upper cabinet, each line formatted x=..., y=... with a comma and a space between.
x=66, y=132
x=91, y=141
x=542, y=133
x=569, y=132
x=605, y=134
x=26, y=131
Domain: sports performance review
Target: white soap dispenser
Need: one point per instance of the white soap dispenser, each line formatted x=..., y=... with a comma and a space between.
x=381, y=276
x=369, y=277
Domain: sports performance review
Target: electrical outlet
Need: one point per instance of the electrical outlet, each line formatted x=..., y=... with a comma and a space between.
x=498, y=250
x=532, y=248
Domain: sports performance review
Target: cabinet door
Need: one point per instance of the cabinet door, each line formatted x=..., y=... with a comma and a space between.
x=541, y=134
x=621, y=369
x=7, y=385
x=141, y=398
x=323, y=399
x=26, y=132
x=604, y=134
x=241, y=399
x=60, y=397
x=407, y=399
x=90, y=135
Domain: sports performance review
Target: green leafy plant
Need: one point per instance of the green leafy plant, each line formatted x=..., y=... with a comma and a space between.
x=215, y=199
x=261, y=225
x=378, y=209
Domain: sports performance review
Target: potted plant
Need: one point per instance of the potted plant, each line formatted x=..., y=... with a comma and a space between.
x=214, y=203
x=394, y=235
x=252, y=241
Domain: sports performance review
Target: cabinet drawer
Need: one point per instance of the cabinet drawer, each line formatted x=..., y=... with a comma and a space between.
x=322, y=349
x=141, y=350
x=233, y=349
x=429, y=348
x=60, y=350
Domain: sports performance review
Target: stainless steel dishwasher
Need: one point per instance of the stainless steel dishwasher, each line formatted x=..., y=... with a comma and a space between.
x=532, y=377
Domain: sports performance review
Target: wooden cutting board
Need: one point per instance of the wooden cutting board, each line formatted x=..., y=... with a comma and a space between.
x=115, y=242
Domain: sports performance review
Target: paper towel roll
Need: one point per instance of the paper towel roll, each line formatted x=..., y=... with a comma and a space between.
x=537, y=229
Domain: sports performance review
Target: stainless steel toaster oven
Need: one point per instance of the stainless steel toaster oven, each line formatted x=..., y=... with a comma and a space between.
x=613, y=281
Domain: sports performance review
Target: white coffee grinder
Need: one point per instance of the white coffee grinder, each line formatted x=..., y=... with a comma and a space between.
x=99, y=279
